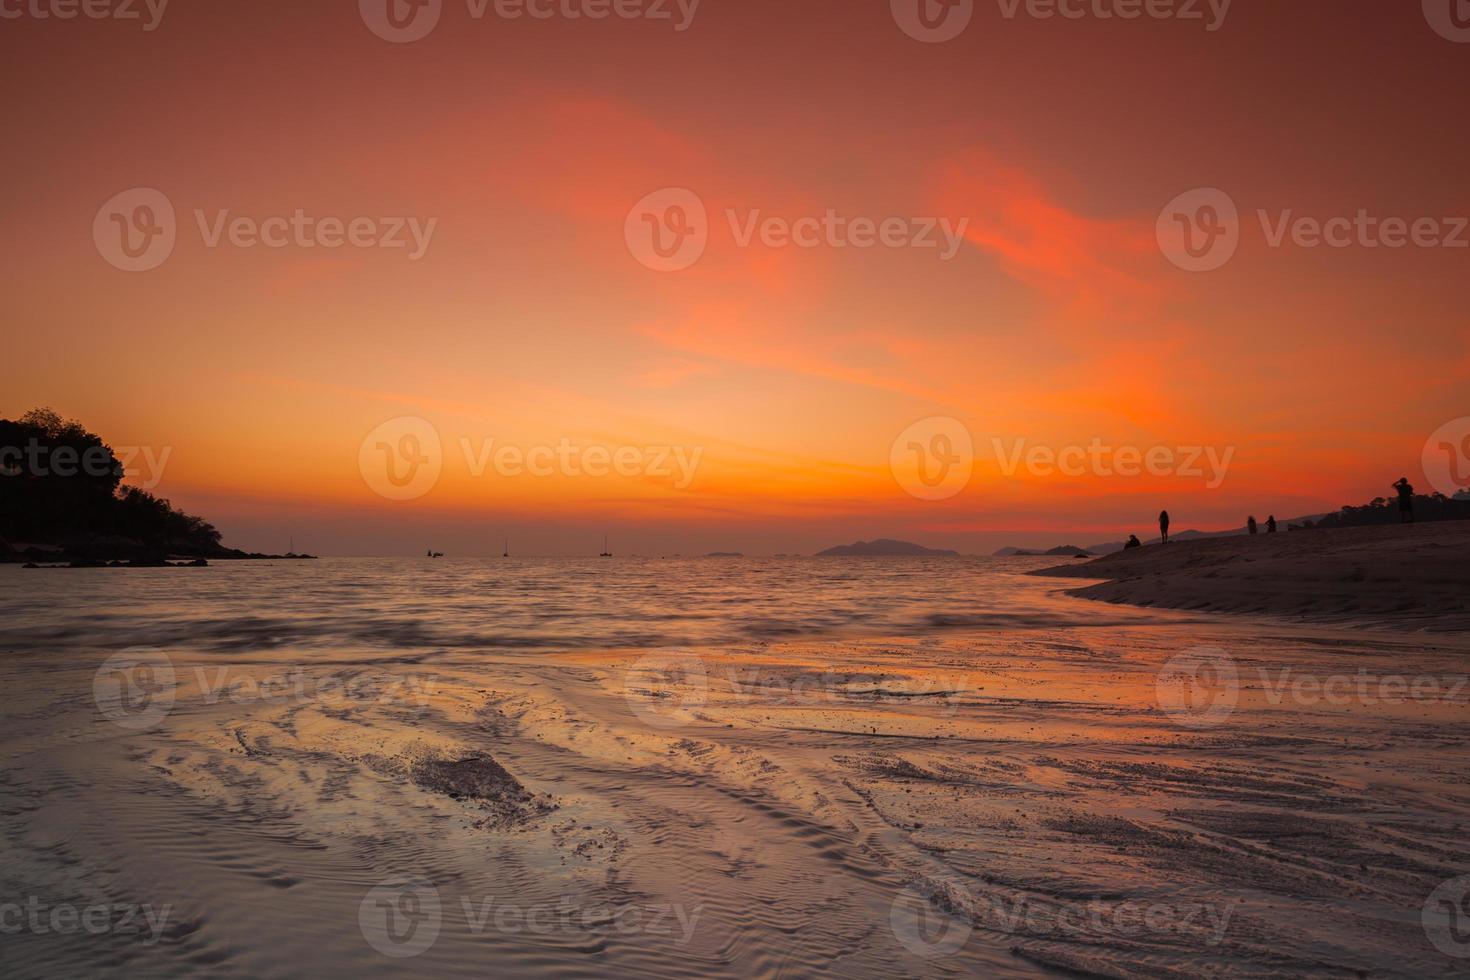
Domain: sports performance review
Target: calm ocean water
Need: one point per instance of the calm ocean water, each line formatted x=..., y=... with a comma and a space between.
x=529, y=603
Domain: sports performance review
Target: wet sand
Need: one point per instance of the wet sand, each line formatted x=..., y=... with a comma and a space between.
x=1002, y=802
x=1399, y=577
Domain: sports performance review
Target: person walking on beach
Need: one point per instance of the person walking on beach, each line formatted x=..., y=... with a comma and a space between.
x=1250, y=524
x=1271, y=524
x=1164, y=526
x=1406, y=500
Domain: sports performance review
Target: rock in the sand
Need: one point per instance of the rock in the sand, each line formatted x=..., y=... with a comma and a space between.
x=483, y=780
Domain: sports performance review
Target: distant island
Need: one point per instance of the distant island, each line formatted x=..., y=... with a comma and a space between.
x=725, y=554
x=1065, y=551
x=884, y=548
x=62, y=501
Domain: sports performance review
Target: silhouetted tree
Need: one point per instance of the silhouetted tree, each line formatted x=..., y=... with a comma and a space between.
x=62, y=485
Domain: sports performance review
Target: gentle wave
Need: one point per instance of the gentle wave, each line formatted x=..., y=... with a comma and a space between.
x=529, y=603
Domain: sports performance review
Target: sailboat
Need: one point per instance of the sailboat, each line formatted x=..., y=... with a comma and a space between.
x=507, y=549
x=605, y=552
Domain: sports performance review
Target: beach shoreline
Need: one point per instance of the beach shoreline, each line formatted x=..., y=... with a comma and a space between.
x=1404, y=577
x=1015, y=784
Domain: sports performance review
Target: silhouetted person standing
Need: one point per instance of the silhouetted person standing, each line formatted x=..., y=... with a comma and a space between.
x=1271, y=524
x=1250, y=524
x=1164, y=526
x=1406, y=500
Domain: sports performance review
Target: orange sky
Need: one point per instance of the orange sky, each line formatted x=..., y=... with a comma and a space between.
x=791, y=371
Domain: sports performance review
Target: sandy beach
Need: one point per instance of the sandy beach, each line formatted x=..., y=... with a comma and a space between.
x=1051, y=795
x=1413, y=577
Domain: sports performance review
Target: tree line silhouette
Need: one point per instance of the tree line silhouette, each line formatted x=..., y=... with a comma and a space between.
x=61, y=487
x=1383, y=510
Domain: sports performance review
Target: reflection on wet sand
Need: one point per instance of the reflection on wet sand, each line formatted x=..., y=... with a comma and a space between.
x=1180, y=797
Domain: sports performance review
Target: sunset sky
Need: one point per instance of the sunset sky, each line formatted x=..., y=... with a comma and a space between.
x=528, y=319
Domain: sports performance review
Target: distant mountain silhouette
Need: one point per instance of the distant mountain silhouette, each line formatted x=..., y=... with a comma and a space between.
x=725, y=554
x=883, y=548
x=1065, y=551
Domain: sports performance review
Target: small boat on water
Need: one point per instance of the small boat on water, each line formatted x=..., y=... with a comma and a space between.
x=435, y=554
x=605, y=552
